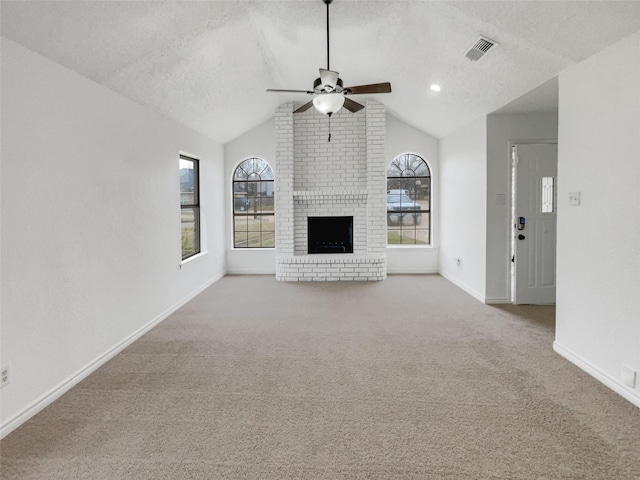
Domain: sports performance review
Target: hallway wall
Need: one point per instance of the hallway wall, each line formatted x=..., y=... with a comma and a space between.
x=463, y=207
x=598, y=301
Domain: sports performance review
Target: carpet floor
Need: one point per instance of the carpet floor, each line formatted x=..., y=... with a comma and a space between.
x=409, y=378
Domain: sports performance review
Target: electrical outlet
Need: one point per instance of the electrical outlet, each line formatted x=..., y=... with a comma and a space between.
x=628, y=376
x=5, y=376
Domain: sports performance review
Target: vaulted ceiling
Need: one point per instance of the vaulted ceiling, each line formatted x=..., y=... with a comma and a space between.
x=207, y=64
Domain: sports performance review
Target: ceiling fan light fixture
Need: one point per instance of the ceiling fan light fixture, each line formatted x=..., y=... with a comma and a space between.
x=328, y=103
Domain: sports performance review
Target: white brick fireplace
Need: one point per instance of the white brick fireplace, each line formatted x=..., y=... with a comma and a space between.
x=342, y=178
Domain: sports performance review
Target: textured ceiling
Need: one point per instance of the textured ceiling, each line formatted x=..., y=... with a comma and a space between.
x=207, y=64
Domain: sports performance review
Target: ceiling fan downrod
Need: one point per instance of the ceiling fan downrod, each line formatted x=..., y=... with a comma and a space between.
x=327, y=3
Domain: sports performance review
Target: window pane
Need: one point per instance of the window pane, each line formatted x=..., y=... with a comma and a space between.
x=268, y=223
x=394, y=170
x=266, y=173
x=267, y=204
x=241, y=172
x=240, y=204
x=547, y=195
x=257, y=205
x=240, y=224
x=190, y=232
x=422, y=236
x=240, y=189
x=188, y=182
x=424, y=199
x=269, y=240
x=253, y=223
x=240, y=200
x=394, y=236
x=422, y=170
x=268, y=231
x=240, y=239
x=253, y=239
x=407, y=236
x=266, y=189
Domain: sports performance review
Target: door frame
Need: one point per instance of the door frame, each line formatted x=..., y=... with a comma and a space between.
x=511, y=280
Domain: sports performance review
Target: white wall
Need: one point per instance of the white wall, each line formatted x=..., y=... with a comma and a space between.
x=258, y=142
x=598, y=294
x=463, y=203
x=402, y=138
x=502, y=129
x=90, y=226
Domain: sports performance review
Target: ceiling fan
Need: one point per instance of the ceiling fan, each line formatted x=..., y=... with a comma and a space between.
x=329, y=94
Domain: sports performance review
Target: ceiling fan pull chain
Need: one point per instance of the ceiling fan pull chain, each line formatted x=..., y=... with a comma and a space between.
x=329, y=128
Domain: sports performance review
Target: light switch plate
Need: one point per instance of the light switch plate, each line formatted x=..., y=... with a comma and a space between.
x=574, y=199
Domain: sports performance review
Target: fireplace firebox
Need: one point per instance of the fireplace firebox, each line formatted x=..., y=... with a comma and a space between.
x=330, y=234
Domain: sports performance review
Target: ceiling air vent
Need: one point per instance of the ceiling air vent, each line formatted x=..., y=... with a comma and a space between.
x=480, y=49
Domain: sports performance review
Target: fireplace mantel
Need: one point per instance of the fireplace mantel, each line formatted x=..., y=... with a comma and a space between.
x=329, y=196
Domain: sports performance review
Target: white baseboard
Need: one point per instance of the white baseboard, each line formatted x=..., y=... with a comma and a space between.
x=411, y=271
x=613, y=383
x=496, y=300
x=401, y=271
x=465, y=287
x=266, y=271
x=63, y=387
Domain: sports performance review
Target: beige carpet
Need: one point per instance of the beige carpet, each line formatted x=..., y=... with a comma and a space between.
x=406, y=378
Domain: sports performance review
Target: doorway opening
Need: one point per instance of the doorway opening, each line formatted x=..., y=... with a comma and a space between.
x=533, y=220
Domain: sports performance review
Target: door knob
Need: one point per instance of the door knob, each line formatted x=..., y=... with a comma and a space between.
x=521, y=237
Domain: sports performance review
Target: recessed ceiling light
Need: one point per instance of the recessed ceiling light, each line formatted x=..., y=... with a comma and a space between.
x=435, y=88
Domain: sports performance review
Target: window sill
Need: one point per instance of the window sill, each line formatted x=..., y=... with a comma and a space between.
x=195, y=257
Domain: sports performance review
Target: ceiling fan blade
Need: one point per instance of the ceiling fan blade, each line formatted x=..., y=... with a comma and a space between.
x=373, y=88
x=352, y=106
x=304, y=107
x=289, y=91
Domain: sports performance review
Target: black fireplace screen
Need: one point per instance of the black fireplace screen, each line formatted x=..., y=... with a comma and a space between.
x=330, y=234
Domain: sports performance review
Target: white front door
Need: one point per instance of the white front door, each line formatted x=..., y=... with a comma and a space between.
x=535, y=223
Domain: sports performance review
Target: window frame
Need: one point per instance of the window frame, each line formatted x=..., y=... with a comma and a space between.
x=413, y=212
x=194, y=205
x=252, y=177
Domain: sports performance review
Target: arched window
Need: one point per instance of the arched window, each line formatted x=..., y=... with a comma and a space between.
x=408, y=201
x=253, y=205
